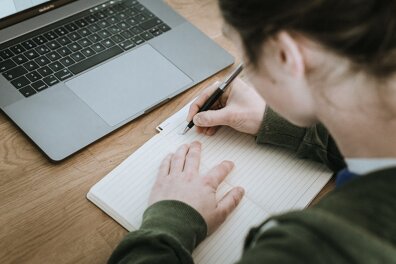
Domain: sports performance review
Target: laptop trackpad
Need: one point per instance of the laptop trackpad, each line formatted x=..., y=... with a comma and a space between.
x=128, y=85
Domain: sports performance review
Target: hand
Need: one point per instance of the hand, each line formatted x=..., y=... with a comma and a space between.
x=241, y=108
x=179, y=179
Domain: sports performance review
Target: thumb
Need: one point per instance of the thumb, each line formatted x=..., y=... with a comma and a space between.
x=212, y=118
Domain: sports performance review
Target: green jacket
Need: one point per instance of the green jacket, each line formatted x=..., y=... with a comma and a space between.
x=354, y=224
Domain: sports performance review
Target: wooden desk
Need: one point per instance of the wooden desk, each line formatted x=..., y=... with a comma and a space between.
x=44, y=215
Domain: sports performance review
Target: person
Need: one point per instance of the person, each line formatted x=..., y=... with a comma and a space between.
x=324, y=67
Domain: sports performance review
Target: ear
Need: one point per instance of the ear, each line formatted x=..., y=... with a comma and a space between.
x=289, y=54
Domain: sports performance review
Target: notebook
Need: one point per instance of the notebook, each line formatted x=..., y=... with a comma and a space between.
x=274, y=180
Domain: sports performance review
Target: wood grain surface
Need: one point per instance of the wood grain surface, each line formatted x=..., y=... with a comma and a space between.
x=44, y=214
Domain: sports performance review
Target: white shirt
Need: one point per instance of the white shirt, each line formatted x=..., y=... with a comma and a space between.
x=364, y=166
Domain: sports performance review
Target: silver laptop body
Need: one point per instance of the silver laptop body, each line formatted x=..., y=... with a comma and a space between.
x=97, y=99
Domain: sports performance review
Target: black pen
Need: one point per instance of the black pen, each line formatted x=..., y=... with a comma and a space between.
x=216, y=95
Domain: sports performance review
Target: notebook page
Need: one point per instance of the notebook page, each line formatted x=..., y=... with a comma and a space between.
x=123, y=194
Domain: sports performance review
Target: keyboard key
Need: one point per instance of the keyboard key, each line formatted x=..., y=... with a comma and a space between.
x=104, y=34
x=136, y=30
x=114, y=29
x=39, y=86
x=43, y=50
x=15, y=73
x=112, y=20
x=64, y=51
x=56, y=66
x=123, y=26
x=20, y=82
x=61, y=31
x=53, y=56
x=6, y=54
x=81, y=23
x=67, y=61
x=42, y=61
x=84, y=32
x=71, y=27
x=74, y=36
x=63, y=74
x=20, y=59
x=31, y=66
x=108, y=43
x=88, y=52
x=141, y=18
x=150, y=23
x=126, y=34
x=44, y=71
x=33, y=76
x=138, y=40
x=77, y=56
x=126, y=45
x=91, y=19
x=64, y=40
x=39, y=40
x=147, y=35
x=94, y=60
x=7, y=65
x=94, y=38
x=29, y=44
x=50, y=80
x=164, y=27
x=100, y=15
x=53, y=45
x=31, y=54
x=84, y=42
x=132, y=22
x=74, y=47
x=98, y=47
x=117, y=38
x=94, y=27
x=103, y=24
x=140, y=8
x=121, y=16
x=50, y=35
x=27, y=91
x=17, y=49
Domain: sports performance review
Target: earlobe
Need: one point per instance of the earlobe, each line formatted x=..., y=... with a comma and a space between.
x=290, y=54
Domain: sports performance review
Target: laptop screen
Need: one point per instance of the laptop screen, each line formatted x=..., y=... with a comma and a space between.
x=14, y=11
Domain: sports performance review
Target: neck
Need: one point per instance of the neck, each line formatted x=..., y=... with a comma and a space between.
x=361, y=116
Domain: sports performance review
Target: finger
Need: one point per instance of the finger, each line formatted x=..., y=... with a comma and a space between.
x=229, y=202
x=217, y=175
x=177, y=161
x=193, y=158
x=165, y=166
x=212, y=130
x=200, y=101
x=213, y=118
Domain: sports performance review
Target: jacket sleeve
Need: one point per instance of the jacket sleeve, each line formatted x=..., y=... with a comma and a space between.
x=170, y=231
x=313, y=143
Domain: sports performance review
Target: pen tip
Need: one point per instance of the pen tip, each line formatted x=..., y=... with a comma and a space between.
x=185, y=130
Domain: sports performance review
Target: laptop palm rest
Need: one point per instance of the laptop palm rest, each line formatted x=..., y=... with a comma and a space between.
x=128, y=85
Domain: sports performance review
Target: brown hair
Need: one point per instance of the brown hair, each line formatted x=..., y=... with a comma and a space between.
x=362, y=30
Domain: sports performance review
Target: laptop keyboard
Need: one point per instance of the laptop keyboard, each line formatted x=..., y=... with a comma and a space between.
x=43, y=58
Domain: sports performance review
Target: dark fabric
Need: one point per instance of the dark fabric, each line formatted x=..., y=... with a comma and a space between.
x=169, y=233
x=344, y=176
x=313, y=143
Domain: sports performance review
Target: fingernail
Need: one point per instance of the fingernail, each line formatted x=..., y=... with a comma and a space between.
x=241, y=191
x=197, y=119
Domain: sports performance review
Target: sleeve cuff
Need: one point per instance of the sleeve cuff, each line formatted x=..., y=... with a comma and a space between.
x=178, y=220
x=277, y=131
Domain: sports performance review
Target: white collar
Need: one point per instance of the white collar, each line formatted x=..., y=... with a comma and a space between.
x=364, y=166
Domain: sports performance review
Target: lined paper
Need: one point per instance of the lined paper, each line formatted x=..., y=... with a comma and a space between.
x=274, y=181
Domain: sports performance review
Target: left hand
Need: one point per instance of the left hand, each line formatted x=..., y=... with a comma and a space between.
x=179, y=179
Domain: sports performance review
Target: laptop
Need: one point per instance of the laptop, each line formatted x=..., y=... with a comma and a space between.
x=72, y=71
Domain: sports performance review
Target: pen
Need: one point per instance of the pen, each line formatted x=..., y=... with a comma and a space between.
x=216, y=95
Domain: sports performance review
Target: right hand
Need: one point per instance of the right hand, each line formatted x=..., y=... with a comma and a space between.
x=240, y=107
